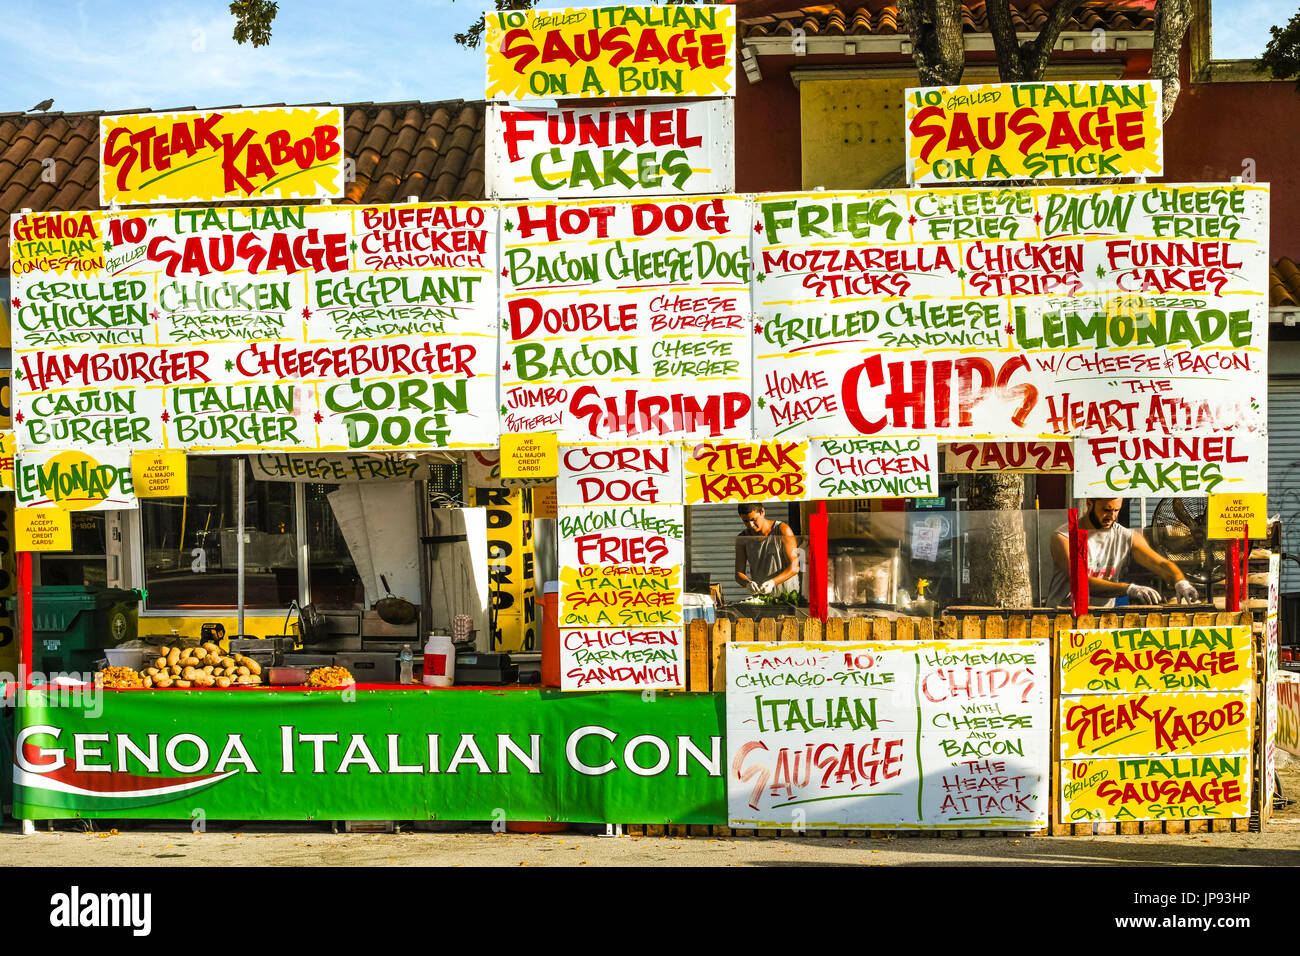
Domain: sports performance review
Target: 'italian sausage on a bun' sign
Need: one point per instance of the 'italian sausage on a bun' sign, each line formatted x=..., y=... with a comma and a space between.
x=277, y=153
x=674, y=50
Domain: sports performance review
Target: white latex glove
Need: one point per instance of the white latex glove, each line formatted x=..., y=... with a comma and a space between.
x=755, y=587
x=1137, y=594
x=1185, y=591
x=767, y=587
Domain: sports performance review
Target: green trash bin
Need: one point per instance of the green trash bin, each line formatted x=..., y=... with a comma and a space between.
x=72, y=623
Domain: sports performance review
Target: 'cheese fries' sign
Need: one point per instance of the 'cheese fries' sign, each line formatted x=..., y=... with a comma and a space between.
x=293, y=152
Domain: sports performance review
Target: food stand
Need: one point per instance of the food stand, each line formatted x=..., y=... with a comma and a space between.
x=643, y=353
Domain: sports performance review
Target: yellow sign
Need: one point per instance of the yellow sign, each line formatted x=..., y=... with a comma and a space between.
x=1155, y=788
x=611, y=51
x=533, y=455
x=545, y=504
x=276, y=153
x=8, y=587
x=633, y=596
x=511, y=567
x=43, y=529
x=1229, y=513
x=1135, y=660
x=1067, y=129
x=1140, y=725
x=718, y=472
x=159, y=474
x=8, y=444
x=74, y=480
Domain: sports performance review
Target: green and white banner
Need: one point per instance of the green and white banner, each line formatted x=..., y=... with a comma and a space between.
x=524, y=755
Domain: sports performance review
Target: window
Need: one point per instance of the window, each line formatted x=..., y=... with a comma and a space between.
x=190, y=545
x=335, y=582
x=1228, y=36
x=86, y=563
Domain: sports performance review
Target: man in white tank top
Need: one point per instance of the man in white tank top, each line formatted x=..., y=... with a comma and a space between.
x=766, y=560
x=1110, y=546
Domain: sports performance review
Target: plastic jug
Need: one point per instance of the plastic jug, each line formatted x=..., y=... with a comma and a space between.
x=439, y=661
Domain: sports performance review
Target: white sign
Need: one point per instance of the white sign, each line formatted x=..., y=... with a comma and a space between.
x=626, y=320
x=901, y=735
x=1017, y=314
x=674, y=150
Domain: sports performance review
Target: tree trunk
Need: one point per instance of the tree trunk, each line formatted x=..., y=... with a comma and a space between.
x=1172, y=19
x=997, y=552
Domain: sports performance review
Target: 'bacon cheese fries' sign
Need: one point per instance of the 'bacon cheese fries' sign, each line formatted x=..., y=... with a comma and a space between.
x=280, y=153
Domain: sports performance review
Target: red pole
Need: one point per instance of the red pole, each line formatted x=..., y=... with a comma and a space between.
x=818, y=561
x=1244, y=577
x=1232, y=584
x=23, y=560
x=1078, y=565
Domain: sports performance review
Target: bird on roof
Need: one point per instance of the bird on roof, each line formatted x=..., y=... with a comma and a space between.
x=43, y=106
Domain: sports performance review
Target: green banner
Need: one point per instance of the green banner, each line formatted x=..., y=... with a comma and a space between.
x=523, y=755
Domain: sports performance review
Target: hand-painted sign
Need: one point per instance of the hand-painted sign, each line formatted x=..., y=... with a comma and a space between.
x=1015, y=314
x=1043, y=458
x=74, y=480
x=254, y=328
x=1052, y=130
x=338, y=469
x=901, y=735
x=717, y=472
x=1156, y=723
x=1171, y=465
x=615, y=51
x=622, y=551
x=626, y=320
x=620, y=150
x=882, y=466
x=1131, y=660
x=270, y=153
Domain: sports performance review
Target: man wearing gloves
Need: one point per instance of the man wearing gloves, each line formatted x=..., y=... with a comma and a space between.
x=766, y=562
x=1110, y=546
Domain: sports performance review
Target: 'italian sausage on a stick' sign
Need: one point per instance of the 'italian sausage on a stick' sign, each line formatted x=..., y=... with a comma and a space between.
x=1058, y=130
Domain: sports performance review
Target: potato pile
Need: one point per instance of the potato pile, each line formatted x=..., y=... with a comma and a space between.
x=204, y=666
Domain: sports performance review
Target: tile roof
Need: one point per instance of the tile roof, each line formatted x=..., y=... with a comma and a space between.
x=430, y=150
x=1284, y=285
x=879, y=18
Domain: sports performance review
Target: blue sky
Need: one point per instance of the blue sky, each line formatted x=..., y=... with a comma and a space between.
x=108, y=54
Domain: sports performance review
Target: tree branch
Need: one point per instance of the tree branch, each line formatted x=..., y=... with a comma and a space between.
x=938, y=46
x=1005, y=43
x=1037, y=52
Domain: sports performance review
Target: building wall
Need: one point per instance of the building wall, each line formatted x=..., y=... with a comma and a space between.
x=1215, y=127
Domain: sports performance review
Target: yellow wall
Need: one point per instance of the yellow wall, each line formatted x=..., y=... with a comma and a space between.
x=852, y=132
x=191, y=626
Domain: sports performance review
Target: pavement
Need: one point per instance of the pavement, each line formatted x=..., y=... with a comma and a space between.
x=295, y=844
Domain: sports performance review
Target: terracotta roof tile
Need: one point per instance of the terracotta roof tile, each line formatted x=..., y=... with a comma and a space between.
x=1284, y=285
x=881, y=19
x=431, y=150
